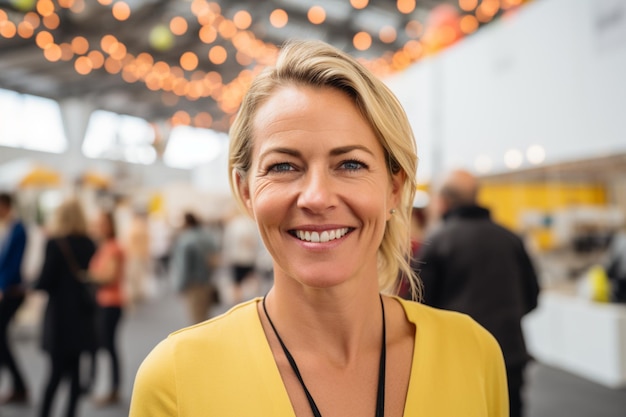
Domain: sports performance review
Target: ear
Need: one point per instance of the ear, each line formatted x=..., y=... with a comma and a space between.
x=395, y=193
x=244, y=190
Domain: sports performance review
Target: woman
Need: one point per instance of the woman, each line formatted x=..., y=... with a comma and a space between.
x=68, y=324
x=323, y=159
x=107, y=270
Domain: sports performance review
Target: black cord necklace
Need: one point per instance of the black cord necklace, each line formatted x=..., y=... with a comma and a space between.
x=380, y=396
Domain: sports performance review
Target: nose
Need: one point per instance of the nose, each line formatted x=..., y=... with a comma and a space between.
x=317, y=192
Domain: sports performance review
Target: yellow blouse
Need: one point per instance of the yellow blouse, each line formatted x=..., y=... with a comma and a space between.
x=224, y=367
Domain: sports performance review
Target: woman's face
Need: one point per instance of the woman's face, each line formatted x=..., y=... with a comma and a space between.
x=318, y=187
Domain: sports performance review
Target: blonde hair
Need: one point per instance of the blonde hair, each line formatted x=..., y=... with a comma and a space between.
x=69, y=219
x=317, y=64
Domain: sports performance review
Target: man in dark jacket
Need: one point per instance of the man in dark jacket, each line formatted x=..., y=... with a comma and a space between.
x=472, y=265
x=11, y=292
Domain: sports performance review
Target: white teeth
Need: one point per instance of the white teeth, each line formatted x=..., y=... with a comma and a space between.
x=323, y=237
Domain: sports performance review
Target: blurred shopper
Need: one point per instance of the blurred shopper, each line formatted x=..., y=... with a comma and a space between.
x=417, y=230
x=241, y=245
x=194, y=258
x=472, y=265
x=616, y=266
x=137, y=249
x=12, y=293
x=107, y=268
x=69, y=318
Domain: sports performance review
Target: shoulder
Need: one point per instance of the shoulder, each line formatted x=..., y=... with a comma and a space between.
x=217, y=333
x=453, y=329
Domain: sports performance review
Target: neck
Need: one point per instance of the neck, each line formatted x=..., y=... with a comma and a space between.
x=343, y=324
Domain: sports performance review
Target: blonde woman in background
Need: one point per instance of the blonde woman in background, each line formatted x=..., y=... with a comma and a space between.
x=69, y=318
x=323, y=159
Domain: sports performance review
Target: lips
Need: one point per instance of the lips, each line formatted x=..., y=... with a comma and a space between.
x=320, y=237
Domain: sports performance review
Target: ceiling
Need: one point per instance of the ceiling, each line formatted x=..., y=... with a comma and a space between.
x=25, y=67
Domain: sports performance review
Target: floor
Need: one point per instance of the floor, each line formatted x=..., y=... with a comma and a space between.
x=550, y=393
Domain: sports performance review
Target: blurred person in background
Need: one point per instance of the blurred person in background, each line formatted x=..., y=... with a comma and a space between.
x=68, y=325
x=472, y=265
x=136, y=242
x=616, y=266
x=107, y=269
x=322, y=157
x=241, y=246
x=12, y=293
x=419, y=221
x=194, y=259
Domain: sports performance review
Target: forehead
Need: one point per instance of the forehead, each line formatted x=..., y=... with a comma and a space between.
x=300, y=110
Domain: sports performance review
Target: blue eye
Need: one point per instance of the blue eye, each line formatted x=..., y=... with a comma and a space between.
x=281, y=167
x=353, y=165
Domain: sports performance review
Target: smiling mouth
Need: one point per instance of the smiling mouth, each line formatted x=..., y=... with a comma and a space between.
x=321, y=237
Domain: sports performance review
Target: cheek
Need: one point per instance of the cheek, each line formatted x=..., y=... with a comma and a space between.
x=267, y=202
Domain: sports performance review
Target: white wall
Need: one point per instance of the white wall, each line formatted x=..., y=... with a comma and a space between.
x=552, y=74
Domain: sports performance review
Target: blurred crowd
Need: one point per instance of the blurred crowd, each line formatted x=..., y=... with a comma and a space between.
x=91, y=265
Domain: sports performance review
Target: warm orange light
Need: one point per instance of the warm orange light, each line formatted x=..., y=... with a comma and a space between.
x=4, y=16
x=83, y=65
x=78, y=6
x=129, y=75
x=242, y=19
x=316, y=15
x=66, y=4
x=214, y=77
x=51, y=21
x=468, y=24
x=43, y=39
x=32, y=18
x=279, y=18
x=181, y=117
x=507, y=4
x=243, y=59
x=227, y=29
x=189, y=61
x=161, y=68
x=406, y=6
x=153, y=82
x=218, y=55
x=207, y=34
x=359, y=4
x=45, y=7
x=387, y=34
x=117, y=51
x=105, y=2
x=414, y=49
x=66, y=51
x=52, y=52
x=490, y=7
x=414, y=29
x=25, y=29
x=96, y=58
x=178, y=25
x=8, y=29
x=121, y=10
x=112, y=66
x=80, y=45
x=362, y=41
x=482, y=16
x=107, y=41
x=203, y=119
x=468, y=5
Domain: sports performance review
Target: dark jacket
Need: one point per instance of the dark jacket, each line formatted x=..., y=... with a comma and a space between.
x=67, y=328
x=11, y=255
x=477, y=267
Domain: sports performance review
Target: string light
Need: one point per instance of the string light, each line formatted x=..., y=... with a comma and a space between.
x=249, y=49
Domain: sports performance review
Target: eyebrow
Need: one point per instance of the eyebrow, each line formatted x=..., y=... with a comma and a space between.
x=334, y=152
